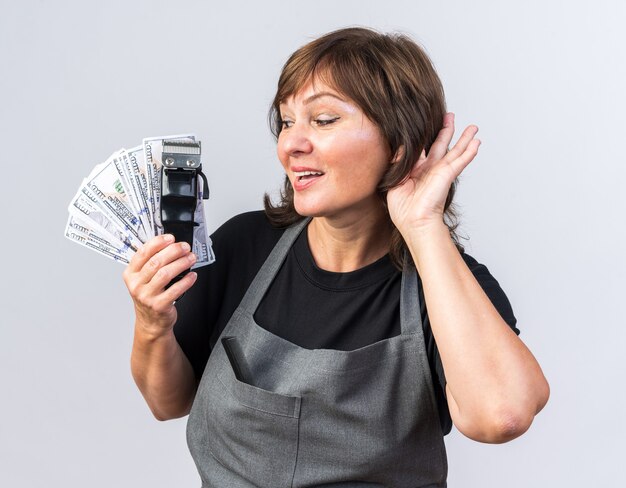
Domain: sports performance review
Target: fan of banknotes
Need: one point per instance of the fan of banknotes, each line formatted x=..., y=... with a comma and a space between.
x=117, y=207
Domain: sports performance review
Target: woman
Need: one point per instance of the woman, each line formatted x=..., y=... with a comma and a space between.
x=341, y=332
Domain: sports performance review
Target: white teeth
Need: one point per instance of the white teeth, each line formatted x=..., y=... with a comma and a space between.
x=307, y=173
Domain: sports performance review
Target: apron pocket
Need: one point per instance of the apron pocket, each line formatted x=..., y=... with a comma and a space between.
x=253, y=432
x=257, y=398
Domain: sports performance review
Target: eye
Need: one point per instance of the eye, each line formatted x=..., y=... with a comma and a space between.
x=324, y=122
x=285, y=124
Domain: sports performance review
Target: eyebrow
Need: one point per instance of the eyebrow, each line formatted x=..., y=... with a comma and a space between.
x=315, y=96
x=320, y=95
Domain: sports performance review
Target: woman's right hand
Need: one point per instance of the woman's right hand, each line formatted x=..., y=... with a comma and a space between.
x=150, y=270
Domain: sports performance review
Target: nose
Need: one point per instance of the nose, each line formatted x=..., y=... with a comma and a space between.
x=295, y=140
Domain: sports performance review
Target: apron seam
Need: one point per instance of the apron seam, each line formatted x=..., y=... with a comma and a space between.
x=295, y=463
x=359, y=369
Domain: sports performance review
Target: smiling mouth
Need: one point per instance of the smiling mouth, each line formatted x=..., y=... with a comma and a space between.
x=307, y=175
x=304, y=179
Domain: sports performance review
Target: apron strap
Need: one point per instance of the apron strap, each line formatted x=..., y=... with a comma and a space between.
x=410, y=310
x=265, y=276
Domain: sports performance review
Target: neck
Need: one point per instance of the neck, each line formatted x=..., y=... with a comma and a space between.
x=344, y=244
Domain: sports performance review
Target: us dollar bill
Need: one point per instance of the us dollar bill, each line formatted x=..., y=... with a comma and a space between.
x=108, y=190
x=84, y=227
x=125, y=188
x=202, y=246
x=84, y=209
x=132, y=162
x=84, y=234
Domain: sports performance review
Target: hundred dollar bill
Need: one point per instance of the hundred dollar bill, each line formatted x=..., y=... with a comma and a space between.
x=82, y=235
x=89, y=229
x=85, y=241
x=86, y=210
x=202, y=245
x=107, y=190
x=131, y=162
x=126, y=191
x=153, y=150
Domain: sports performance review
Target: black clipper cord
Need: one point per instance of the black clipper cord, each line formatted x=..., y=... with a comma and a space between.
x=180, y=171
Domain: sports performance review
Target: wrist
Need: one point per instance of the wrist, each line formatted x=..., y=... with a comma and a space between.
x=425, y=233
x=152, y=331
x=426, y=240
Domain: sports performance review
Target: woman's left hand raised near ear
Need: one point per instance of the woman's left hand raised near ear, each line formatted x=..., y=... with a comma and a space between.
x=418, y=202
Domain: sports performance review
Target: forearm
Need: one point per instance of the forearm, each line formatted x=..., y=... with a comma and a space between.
x=162, y=372
x=495, y=383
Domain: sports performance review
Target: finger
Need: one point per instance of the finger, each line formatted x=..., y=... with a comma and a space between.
x=460, y=163
x=154, y=267
x=163, y=303
x=149, y=249
x=166, y=273
x=461, y=145
x=442, y=142
x=175, y=291
x=420, y=162
x=422, y=159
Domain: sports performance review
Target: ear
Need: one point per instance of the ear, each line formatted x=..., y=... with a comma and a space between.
x=398, y=155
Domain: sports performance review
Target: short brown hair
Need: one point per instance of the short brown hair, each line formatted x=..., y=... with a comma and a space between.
x=394, y=83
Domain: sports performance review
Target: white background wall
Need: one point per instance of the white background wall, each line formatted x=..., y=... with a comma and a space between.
x=543, y=205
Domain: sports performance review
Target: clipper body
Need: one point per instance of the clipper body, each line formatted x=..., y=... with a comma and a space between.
x=181, y=168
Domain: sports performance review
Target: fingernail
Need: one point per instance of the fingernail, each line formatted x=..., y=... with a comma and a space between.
x=192, y=258
x=185, y=246
x=168, y=237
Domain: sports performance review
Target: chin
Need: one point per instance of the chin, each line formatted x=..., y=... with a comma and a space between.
x=308, y=212
x=320, y=209
x=309, y=209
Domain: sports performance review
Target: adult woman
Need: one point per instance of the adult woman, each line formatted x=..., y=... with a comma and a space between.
x=320, y=362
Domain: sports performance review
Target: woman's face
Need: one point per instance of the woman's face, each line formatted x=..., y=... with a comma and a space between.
x=332, y=153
